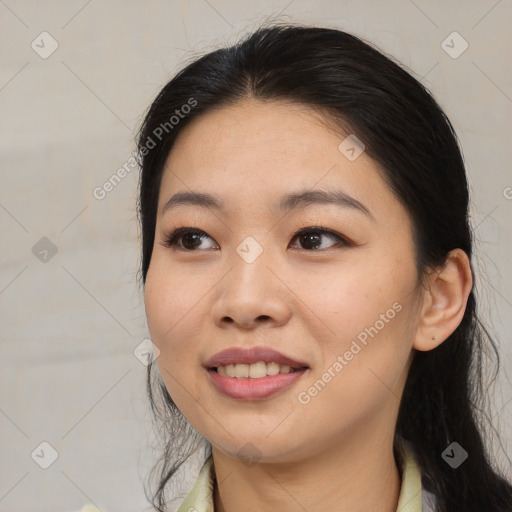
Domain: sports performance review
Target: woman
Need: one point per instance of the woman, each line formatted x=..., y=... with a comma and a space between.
x=306, y=260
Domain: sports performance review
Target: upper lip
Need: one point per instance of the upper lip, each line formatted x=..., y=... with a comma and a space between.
x=236, y=355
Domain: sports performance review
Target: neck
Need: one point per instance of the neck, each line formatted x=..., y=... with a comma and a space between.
x=356, y=476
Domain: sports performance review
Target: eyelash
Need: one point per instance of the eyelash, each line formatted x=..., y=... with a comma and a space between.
x=172, y=239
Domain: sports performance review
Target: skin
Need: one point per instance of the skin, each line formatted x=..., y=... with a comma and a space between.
x=335, y=452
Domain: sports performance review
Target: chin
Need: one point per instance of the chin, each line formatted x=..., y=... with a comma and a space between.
x=260, y=449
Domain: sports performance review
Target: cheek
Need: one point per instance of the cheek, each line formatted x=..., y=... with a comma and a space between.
x=365, y=315
x=166, y=295
x=171, y=307
x=372, y=322
x=347, y=301
x=171, y=311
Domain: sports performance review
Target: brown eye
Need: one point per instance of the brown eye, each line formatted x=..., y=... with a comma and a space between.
x=311, y=238
x=191, y=238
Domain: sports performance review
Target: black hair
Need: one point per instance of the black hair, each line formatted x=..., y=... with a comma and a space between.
x=367, y=93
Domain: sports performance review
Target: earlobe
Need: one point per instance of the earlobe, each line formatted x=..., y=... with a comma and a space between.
x=444, y=301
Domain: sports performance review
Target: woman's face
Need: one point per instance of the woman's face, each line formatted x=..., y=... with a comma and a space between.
x=342, y=307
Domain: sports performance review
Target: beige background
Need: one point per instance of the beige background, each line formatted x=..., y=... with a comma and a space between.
x=69, y=325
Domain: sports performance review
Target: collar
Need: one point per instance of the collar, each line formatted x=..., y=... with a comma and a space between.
x=200, y=497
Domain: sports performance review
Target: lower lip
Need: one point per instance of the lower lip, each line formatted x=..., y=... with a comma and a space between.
x=254, y=389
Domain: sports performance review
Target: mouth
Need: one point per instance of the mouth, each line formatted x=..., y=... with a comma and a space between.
x=254, y=373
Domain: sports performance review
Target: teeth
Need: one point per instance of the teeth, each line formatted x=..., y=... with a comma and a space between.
x=272, y=368
x=241, y=371
x=254, y=370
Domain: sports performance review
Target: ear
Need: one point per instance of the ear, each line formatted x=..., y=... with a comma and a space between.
x=444, y=301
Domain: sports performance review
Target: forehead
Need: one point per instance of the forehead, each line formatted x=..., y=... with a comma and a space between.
x=255, y=152
x=263, y=131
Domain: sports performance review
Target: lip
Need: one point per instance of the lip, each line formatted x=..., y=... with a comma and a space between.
x=238, y=355
x=254, y=389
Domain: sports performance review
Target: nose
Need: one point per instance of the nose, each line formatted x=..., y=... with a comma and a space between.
x=252, y=294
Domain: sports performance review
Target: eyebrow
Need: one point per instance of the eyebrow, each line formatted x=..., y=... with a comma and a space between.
x=292, y=201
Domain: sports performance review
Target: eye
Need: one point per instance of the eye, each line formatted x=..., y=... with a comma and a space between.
x=311, y=237
x=191, y=238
